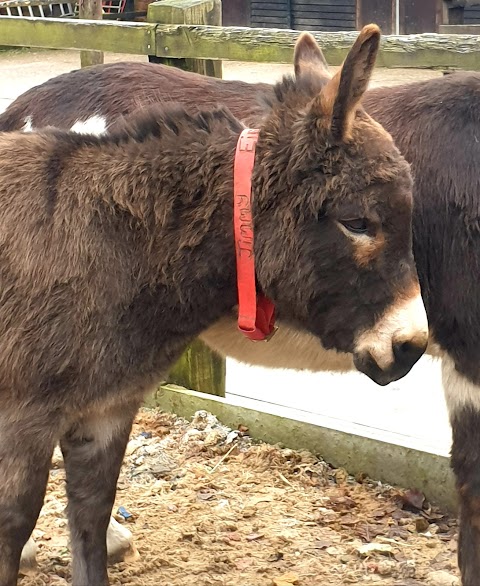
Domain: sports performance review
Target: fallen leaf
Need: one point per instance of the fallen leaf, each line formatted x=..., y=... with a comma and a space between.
x=261, y=499
x=421, y=525
x=413, y=499
x=243, y=563
x=254, y=536
x=370, y=548
x=348, y=520
x=275, y=557
x=320, y=544
x=205, y=494
x=340, y=475
x=342, y=503
x=286, y=580
x=233, y=537
x=335, y=551
x=368, y=531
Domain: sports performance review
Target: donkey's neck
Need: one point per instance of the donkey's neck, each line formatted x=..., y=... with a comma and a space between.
x=171, y=198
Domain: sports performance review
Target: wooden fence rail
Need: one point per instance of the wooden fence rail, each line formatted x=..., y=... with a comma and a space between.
x=114, y=37
x=427, y=51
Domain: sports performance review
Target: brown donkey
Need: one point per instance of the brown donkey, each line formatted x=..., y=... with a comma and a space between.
x=116, y=251
x=436, y=125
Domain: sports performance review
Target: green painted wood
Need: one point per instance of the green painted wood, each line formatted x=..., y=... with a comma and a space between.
x=195, y=12
x=427, y=51
x=90, y=10
x=115, y=37
x=201, y=369
x=390, y=463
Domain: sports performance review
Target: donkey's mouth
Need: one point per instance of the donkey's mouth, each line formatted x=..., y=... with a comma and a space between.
x=406, y=355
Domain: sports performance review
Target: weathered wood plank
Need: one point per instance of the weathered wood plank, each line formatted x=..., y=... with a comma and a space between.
x=90, y=10
x=427, y=51
x=115, y=37
x=201, y=12
x=199, y=368
x=383, y=461
x=459, y=29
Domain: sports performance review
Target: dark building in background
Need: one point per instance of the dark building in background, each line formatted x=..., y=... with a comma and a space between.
x=402, y=16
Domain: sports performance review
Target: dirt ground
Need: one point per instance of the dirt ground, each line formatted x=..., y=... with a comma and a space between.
x=210, y=507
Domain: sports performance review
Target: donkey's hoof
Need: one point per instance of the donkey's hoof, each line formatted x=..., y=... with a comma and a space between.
x=28, y=561
x=120, y=546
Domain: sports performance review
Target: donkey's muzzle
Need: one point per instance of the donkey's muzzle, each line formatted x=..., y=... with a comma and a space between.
x=406, y=354
x=388, y=350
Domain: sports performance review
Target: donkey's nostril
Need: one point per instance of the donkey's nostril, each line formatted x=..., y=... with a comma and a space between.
x=407, y=352
x=405, y=355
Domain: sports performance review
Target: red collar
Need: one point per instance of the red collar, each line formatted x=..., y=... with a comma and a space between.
x=256, y=313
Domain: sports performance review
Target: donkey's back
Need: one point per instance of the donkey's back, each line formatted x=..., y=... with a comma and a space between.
x=106, y=92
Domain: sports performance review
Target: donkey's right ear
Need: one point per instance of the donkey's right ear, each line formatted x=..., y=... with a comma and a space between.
x=341, y=97
x=308, y=57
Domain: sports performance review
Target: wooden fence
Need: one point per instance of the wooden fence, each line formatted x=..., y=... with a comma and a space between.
x=427, y=51
x=186, y=33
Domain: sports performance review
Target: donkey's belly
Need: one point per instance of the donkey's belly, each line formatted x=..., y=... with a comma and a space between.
x=288, y=348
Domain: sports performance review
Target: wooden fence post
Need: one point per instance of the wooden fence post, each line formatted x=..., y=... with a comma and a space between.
x=92, y=10
x=199, y=368
x=203, y=12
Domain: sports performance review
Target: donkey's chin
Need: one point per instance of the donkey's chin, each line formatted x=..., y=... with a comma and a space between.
x=406, y=355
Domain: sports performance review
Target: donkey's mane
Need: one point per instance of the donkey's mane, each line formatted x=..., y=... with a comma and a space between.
x=156, y=121
x=293, y=89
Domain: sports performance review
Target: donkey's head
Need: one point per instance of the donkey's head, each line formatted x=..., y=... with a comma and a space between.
x=333, y=208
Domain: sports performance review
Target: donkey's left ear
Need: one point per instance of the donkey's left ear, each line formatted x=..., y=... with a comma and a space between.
x=308, y=57
x=341, y=96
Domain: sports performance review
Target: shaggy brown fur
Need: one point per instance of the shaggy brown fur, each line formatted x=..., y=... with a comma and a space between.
x=436, y=125
x=431, y=122
x=116, y=251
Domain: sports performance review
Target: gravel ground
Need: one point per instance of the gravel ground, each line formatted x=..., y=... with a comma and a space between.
x=208, y=506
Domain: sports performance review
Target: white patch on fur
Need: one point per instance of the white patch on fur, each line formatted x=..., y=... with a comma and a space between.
x=288, y=348
x=120, y=547
x=96, y=125
x=28, y=560
x=404, y=321
x=459, y=391
x=28, y=127
x=103, y=428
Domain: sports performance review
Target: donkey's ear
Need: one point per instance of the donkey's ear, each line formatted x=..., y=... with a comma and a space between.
x=308, y=57
x=342, y=94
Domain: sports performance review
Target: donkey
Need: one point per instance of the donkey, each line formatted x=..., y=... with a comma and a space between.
x=436, y=125
x=117, y=251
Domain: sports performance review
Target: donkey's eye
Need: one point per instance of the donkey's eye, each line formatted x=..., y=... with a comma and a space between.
x=356, y=225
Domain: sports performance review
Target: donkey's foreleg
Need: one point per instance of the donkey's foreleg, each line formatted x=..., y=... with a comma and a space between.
x=26, y=446
x=463, y=401
x=93, y=451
